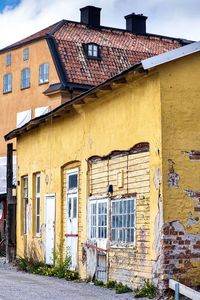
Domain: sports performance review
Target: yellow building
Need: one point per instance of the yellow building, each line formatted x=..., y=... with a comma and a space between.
x=114, y=173
x=63, y=60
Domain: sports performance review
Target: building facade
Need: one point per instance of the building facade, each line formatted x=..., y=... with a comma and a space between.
x=57, y=63
x=116, y=177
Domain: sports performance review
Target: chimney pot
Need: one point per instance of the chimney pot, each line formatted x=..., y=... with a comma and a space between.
x=91, y=15
x=136, y=23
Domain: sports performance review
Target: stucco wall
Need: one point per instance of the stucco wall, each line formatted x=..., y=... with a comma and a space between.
x=114, y=121
x=20, y=100
x=180, y=94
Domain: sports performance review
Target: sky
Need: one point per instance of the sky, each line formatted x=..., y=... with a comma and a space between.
x=176, y=18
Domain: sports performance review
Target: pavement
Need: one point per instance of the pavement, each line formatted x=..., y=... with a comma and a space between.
x=19, y=285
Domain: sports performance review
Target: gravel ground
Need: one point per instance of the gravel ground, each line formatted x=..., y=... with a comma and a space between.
x=22, y=286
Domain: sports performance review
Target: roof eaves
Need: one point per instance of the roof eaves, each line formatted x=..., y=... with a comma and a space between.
x=23, y=43
x=170, y=55
x=36, y=121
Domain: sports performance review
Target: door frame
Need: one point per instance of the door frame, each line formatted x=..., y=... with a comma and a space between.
x=45, y=216
x=72, y=192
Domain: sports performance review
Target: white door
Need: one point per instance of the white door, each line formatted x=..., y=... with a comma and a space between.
x=49, y=228
x=72, y=216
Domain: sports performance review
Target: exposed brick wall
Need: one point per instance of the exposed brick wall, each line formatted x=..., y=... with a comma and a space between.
x=180, y=252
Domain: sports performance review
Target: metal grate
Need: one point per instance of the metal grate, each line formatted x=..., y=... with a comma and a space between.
x=101, y=270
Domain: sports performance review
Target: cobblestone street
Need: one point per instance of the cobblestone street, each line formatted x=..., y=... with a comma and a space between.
x=22, y=286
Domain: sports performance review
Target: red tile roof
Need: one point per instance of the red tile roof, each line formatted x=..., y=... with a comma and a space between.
x=119, y=49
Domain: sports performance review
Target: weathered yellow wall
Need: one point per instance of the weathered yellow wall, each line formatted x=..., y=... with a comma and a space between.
x=180, y=94
x=117, y=120
x=20, y=100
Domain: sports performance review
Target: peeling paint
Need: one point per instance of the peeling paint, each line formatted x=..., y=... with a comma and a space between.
x=195, y=196
x=192, y=220
x=193, y=154
x=173, y=178
x=157, y=178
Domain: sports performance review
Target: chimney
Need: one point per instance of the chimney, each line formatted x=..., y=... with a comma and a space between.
x=90, y=15
x=136, y=23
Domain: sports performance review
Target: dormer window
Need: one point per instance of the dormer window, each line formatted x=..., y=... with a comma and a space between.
x=92, y=51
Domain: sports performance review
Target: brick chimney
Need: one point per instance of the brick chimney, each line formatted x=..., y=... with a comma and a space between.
x=136, y=23
x=90, y=15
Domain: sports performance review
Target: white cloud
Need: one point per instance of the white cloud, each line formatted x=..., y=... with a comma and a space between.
x=179, y=18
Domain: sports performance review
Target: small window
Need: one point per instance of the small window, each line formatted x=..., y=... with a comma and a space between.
x=72, y=194
x=26, y=54
x=25, y=203
x=7, y=83
x=123, y=220
x=37, y=198
x=92, y=51
x=8, y=59
x=98, y=219
x=44, y=73
x=25, y=78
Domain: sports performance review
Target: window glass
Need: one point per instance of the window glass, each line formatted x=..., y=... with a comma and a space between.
x=25, y=78
x=37, y=199
x=8, y=59
x=44, y=73
x=7, y=83
x=92, y=50
x=123, y=220
x=72, y=181
x=98, y=219
x=25, y=200
x=26, y=54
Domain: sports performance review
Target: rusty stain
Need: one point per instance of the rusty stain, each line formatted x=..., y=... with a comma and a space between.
x=173, y=178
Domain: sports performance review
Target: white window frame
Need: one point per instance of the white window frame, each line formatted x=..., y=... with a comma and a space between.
x=37, y=203
x=7, y=83
x=25, y=78
x=119, y=243
x=92, y=50
x=44, y=73
x=25, y=205
x=26, y=54
x=71, y=193
x=97, y=202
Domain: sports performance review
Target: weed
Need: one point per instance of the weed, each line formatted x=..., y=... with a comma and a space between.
x=99, y=283
x=121, y=288
x=148, y=290
x=111, y=284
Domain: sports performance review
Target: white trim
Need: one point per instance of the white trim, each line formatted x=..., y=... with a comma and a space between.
x=170, y=55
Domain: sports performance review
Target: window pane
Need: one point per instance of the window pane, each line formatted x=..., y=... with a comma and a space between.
x=8, y=59
x=122, y=225
x=72, y=181
x=26, y=54
x=74, y=207
x=69, y=207
x=38, y=184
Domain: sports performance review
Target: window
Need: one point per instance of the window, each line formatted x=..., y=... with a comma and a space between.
x=8, y=59
x=44, y=73
x=7, y=83
x=25, y=202
x=26, y=54
x=72, y=194
x=92, y=50
x=123, y=220
x=37, y=198
x=25, y=78
x=98, y=219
